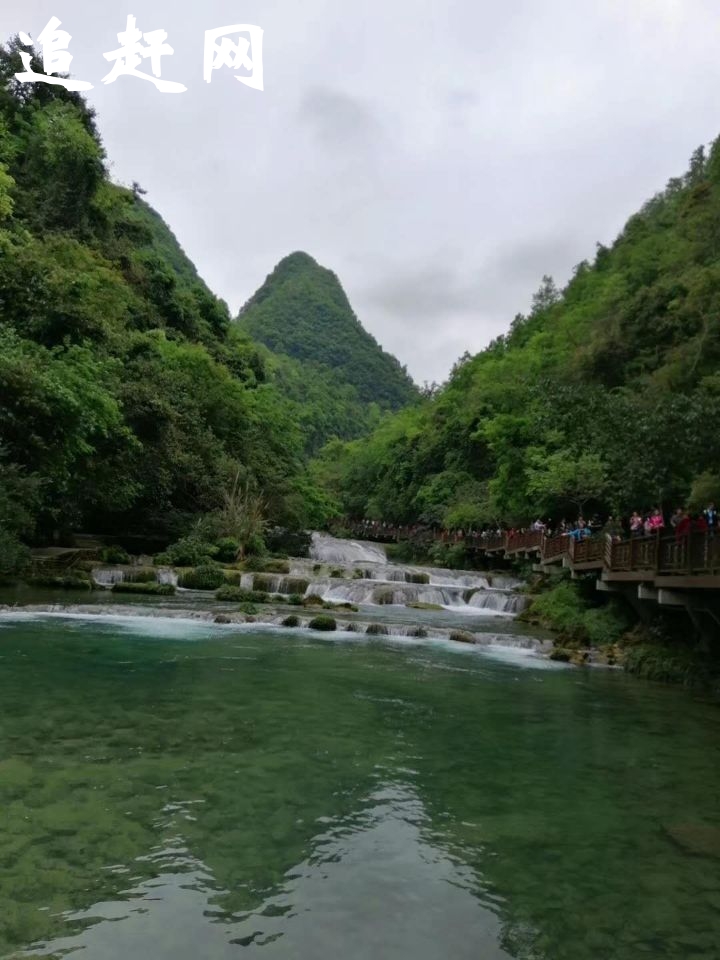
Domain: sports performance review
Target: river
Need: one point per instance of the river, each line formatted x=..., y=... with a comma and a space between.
x=174, y=788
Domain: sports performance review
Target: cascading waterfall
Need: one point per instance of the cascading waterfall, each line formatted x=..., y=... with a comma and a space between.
x=356, y=572
x=167, y=575
x=331, y=550
x=501, y=602
x=107, y=576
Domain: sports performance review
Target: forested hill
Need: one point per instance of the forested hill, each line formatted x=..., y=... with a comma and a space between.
x=301, y=311
x=128, y=400
x=606, y=396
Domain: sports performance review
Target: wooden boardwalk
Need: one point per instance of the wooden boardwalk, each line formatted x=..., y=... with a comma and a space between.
x=690, y=562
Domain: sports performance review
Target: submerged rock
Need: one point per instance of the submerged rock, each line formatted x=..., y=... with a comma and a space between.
x=221, y=618
x=699, y=839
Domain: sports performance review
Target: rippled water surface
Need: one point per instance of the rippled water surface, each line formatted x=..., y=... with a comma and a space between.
x=185, y=791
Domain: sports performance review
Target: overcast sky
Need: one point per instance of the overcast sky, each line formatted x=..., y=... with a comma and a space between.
x=439, y=157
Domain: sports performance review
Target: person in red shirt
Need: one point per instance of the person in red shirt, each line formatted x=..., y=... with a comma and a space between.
x=683, y=526
x=700, y=524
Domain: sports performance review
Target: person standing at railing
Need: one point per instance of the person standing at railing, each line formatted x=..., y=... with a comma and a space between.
x=656, y=521
x=684, y=525
x=613, y=529
x=676, y=517
x=711, y=518
x=636, y=525
x=700, y=524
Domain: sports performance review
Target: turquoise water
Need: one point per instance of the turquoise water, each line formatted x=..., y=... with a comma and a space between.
x=179, y=790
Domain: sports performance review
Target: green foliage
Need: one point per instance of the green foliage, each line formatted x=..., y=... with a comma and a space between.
x=238, y=595
x=705, y=490
x=603, y=398
x=291, y=621
x=70, y=581
x=206, y=577
x=114, y=555
x=140, y=575
x=561, y=609
x=263, y=583
x=227, y=550
x=277, y=565
x=302, y=311
x=187, y=552
x=668, y=662
x=312, y=600
x=6, y=185
x=128, y=402
x=411, y=577
x=14, y=556
x=606, y=625
x=323, y=623
x=148, y=589
x=564, y=609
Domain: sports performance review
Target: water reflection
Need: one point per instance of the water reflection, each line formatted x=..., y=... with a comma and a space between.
x=371, y=883
x=217, y=792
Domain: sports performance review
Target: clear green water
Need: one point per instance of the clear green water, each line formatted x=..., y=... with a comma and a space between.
x=185, y=791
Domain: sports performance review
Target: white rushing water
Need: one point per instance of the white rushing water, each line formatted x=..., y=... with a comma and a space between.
x=329, y=549
x=355, y=572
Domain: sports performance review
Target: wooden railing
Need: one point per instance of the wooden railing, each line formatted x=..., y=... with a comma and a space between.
x=530, y=540
x=587, y=551
x=695, y=554
x=554, y=548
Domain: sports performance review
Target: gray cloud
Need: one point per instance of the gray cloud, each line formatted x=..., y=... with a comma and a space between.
x=339, y=120
x=439, y=158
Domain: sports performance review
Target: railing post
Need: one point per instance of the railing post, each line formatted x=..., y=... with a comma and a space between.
x=656, y=562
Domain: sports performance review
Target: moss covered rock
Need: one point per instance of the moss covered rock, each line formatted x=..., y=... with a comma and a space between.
x=207, y=577
x=147, y=589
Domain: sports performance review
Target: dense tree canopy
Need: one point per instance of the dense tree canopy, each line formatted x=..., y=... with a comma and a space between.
x=128, y=400
x=606, y=396
x=326, y=360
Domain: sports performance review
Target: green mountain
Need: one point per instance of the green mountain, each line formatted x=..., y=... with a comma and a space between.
x=605, y=397
x=301, y=312
x=128, y=400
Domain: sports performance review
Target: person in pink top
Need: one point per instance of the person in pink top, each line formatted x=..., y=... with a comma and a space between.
x=656, y=521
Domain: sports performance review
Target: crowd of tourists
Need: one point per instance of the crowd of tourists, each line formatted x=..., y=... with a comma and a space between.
x=681, y=522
